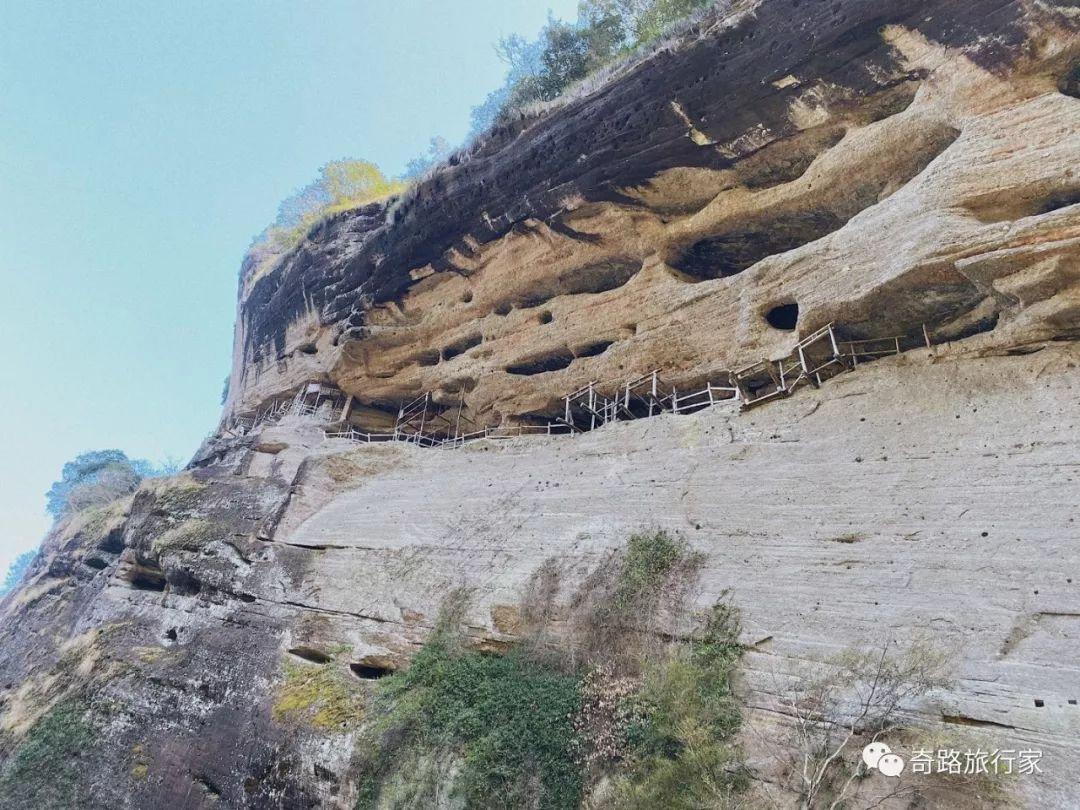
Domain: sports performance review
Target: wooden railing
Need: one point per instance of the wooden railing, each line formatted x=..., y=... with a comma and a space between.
x=816, y=358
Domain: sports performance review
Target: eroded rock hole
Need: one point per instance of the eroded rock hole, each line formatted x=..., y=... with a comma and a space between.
x=462, y=345
x=370, y=672
x=552, y=361
x=783, y=316
x=734, y=249
x=146, y=578
x=96, y=563
x=1062, y=200
x=588, y=280
x=113, y=542
x=733, y=252
x=593, y=349
x=598, y=278
x=1006, y=208
x=184, y=583
x=545, y=317
x=311, y=654
x=428, y=358
x=1070, y=83
x=787, y=159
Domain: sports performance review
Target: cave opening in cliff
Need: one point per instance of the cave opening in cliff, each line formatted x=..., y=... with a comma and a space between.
x=429, y=357
x=783, y=316
x=461, y=346
x=1070, y=82
x=311, y=654
x=369, y=672
x=729, y=254
x=146, y=578
x=551, y=361
x=594, y=349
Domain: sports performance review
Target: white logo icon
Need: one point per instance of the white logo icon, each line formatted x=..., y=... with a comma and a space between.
x=873, y=752
x=891, y=765
x=878, y=756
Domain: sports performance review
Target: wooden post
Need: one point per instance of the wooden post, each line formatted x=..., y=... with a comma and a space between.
x=926, y=336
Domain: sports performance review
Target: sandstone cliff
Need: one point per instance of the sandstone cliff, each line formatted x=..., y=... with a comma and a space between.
x=888, y=167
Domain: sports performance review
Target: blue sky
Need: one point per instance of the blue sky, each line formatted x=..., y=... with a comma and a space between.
x=142, y=144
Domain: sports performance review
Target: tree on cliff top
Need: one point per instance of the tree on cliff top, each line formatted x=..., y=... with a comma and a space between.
x=566, y=53
x=16, y=571
x=341, y=185
x=97, y=477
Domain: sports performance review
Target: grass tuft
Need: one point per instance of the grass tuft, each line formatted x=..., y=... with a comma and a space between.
x=319, y=695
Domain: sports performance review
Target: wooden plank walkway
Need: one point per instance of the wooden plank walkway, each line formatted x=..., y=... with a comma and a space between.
x=425, y=423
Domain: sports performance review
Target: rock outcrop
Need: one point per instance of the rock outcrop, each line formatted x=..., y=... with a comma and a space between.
x=884, y=166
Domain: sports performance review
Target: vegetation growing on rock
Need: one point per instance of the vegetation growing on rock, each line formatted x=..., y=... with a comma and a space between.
x=319, y=695
x=341, y=185
x=188, y=536
x=566, y=53
x=44, y=771
x=99, y=477
x=543, y=726
x=507, y=718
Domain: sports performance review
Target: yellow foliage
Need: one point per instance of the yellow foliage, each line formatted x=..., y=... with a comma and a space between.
x=345, y=184
x=352, y=183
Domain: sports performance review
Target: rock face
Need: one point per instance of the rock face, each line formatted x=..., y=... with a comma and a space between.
x=881, y=165
x=885, y=166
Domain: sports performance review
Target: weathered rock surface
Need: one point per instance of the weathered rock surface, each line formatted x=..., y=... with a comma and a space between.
x=919, y=495
x=883, y=165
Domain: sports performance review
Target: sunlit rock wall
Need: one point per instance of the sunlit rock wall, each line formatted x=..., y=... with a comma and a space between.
x=882, y=165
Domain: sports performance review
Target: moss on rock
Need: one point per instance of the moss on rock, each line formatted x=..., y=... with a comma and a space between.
x=318, y=695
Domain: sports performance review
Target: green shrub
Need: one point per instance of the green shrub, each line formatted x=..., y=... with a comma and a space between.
x=680, y=748
x=540, y=728
x=506, y=718
x=565, y=53
x=649, y=560
x=625, y=609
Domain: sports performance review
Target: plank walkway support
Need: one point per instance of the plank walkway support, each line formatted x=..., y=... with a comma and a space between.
x=815, y=359
x=751, y=380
